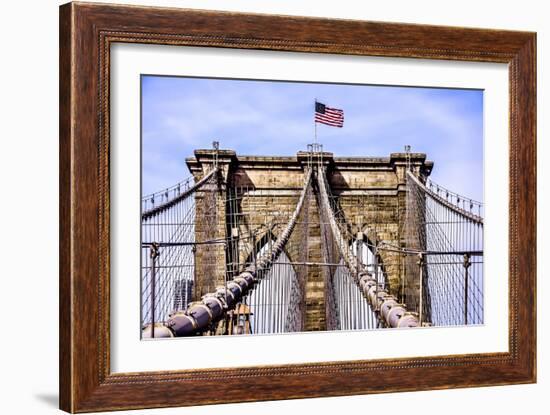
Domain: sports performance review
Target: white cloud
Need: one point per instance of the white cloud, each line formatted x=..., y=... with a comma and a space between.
x=277, y=118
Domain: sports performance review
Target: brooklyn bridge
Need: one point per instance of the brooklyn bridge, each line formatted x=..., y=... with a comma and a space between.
x=312, y=242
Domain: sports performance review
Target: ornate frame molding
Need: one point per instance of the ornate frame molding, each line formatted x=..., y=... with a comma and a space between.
x=86, y=33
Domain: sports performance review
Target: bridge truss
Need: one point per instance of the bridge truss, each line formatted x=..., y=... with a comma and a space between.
x=266, y=268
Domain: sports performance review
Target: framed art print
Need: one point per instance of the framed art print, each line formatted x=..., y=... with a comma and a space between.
x=250, y=199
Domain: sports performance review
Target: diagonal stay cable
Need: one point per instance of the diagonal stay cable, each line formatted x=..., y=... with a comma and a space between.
x=160, y=208
x=391, y=313
x=200, y=315
x=471, y=216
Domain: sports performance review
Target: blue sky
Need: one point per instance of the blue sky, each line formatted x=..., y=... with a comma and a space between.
x=262, y=117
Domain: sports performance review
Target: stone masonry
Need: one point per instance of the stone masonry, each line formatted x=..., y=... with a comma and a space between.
x=369, y=190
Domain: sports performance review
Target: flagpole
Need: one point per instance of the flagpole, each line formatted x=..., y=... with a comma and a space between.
x=315, y=122
x=315, y=139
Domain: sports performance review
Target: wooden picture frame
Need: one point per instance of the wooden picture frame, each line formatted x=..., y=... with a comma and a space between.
x=86, y=33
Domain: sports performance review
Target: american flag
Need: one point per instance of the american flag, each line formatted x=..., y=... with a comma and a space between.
x=329, y=116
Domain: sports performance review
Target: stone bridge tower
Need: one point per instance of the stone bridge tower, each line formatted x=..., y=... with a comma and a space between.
x=256, y=195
